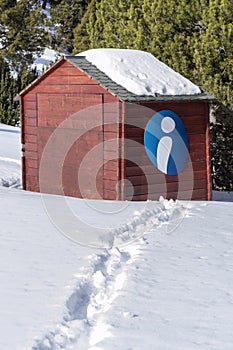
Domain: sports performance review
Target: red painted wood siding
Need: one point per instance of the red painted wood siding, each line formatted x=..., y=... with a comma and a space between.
x=62, y=93
x=112, y=112
x=195, y=118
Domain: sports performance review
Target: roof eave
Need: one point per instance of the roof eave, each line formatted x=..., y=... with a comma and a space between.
x=170, y=98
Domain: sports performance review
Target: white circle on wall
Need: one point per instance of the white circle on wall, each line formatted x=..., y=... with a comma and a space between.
x=168, y=125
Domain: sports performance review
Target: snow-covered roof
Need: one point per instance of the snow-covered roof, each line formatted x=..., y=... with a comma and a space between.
x=132, y=76
x=140, y=72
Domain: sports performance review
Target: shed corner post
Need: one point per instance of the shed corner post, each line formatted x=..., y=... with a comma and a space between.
x=208, y=156
x=121, y=162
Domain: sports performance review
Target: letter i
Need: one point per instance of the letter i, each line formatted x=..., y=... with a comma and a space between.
x=165, y=144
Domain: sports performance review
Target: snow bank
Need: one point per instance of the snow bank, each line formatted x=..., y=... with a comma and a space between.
x=222, y=196
x=140, y=72
x=37, y=269
x=10, y=158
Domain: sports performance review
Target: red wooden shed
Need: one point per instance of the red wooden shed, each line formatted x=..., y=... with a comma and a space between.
x=75, y=113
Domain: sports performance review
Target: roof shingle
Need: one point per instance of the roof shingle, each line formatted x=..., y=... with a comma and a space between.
x=92, y=71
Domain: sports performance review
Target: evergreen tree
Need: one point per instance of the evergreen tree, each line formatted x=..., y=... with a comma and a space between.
x=81, y=40
x=171, y=28
x=65, y=16
x=10, y=86
x=8, y=90
x=213, y=55
x=50, y=2
x=221, y=151
x=21, y=31
x=110, y=24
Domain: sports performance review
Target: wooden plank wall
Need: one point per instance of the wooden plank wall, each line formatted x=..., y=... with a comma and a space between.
x=76, y=137
x=64, y=91
x=29, y=142
x=195, y=118
x=112, y=148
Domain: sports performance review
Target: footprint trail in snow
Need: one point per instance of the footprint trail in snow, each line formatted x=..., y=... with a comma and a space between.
x=99, y=284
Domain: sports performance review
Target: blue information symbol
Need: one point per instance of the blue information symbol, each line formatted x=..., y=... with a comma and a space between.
x=166, y=142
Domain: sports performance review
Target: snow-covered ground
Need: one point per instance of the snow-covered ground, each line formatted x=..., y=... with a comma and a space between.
x=171, y=288
x=222, y=196
x=10, y=163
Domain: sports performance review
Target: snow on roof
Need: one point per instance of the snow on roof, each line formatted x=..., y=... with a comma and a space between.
x=140, y=72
